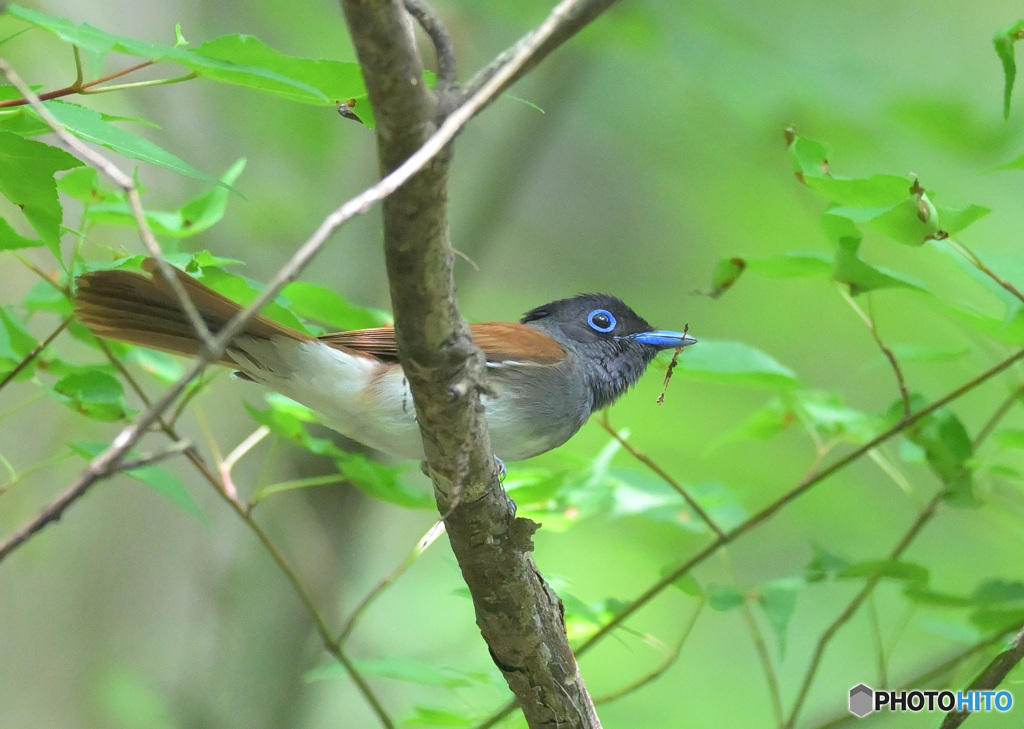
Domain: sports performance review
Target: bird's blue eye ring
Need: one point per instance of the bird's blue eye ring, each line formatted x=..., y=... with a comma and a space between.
x=601, y=320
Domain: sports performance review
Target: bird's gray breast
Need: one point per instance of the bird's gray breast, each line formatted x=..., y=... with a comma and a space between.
x=536, y=408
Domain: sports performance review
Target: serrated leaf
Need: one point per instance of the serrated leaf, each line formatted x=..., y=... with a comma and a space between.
x=383, y=482
x=734, y=363
x=314, y=81
x=160, y=480
x=27, y=170
x=1003, y=41
x=90, y=126
x=94, y=393
x=778, y=602
x=207, y=63
x=319, y=303
x=194, y=217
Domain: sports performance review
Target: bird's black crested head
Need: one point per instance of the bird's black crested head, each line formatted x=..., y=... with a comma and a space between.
x=610, y=343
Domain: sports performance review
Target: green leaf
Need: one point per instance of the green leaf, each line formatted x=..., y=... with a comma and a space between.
x=1003, y=41
x=162, y=366
x=734, y=363
x=766, y=422
x=997, y=591
x=932, y=598
x=778, y=601
x=194, y=217
x=824, y=565
x=160, y=480
x=384, y=482
x=725, y=275
x=795, y=264
x=16, y=342
x=1009, y=438
x=27, y=170
x=287, y=419
x=93, y=393
x=848, y=267
x=267, y=71
x=909, y=572
x=948, y=451
x=11, y=240
x=428, y=716
x=319, y=303
x=312, y=81
x=827, y=414
x=90, y=126
x=687, y=583
x=402, y=669
x=995, y=620
x=83, y=183
x=240, y=289
x=725, y=597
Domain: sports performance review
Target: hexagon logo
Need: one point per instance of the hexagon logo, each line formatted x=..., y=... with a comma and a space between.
x=861, y=700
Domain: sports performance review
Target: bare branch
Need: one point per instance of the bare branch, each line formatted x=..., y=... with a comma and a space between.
x=992, y=676
x=442, y=40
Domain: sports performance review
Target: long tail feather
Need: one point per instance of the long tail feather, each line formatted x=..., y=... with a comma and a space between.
x=142, y=309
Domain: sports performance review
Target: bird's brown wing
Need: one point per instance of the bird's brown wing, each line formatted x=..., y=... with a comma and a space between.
x=500, y=341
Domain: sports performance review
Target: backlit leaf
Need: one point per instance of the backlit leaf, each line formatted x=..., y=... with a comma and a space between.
x=734, y=363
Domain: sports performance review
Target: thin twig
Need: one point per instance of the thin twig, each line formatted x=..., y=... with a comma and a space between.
x=928, y=677
x=537, y=43
x=770, y=676
x=664, y=475
x=242, y=511
x=175, y=449
x=78, y=87
x=990, y=677
x=826, y=636
x=421, y=546
x=36, y=351
x=980, y=265
x=805, y=485
x=439, y=36
x=670, y=658
x=1000, y=412
x=869, y=321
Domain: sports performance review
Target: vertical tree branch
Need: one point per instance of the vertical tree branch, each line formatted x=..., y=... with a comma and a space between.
x=519, y=615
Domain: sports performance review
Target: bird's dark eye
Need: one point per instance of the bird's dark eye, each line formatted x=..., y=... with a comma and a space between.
x=601, y=320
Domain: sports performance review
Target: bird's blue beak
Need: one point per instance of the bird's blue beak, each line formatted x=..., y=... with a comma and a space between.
x=664, y=339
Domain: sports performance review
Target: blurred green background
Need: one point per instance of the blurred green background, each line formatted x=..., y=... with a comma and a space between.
x=659, y=150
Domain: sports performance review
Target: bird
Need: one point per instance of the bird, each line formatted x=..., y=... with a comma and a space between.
x=561, y=363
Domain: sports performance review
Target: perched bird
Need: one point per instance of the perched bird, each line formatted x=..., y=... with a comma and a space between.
x=549, y=373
